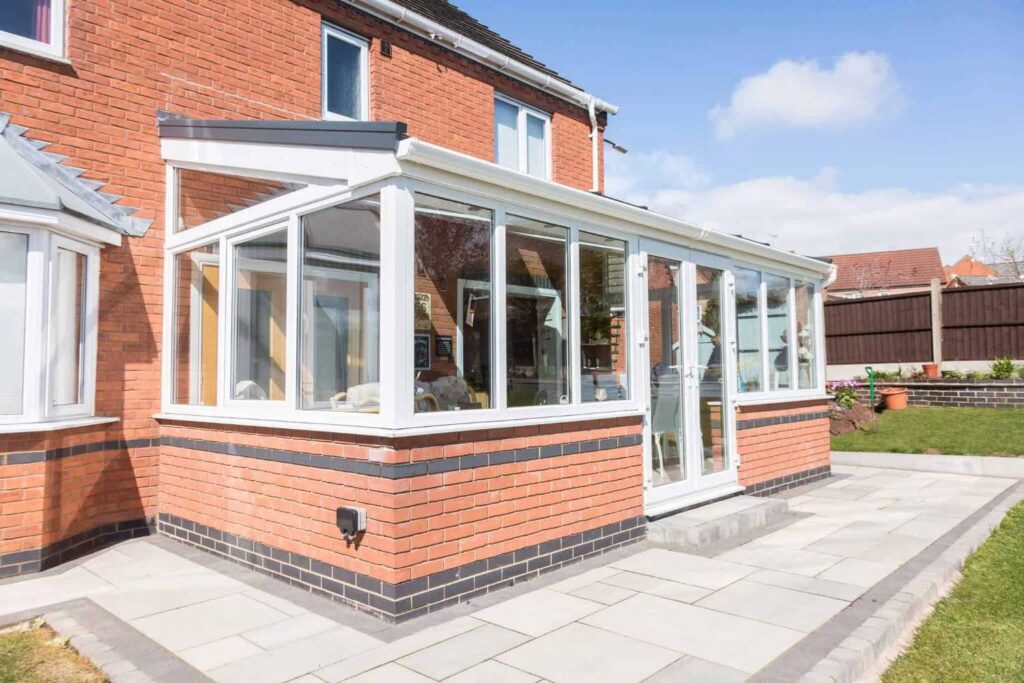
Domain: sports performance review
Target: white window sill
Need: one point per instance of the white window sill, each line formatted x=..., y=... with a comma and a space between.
x=31, y=47
x=763, y=398
x=56, y=425
x=505, y=422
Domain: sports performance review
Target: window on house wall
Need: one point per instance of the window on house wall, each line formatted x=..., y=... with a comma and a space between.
x=345, y=89
x=340, y=308
x=13, y=284
x=806, y=346
x=197, y=317
x=261, y=313
x=536, y=313
x=521, y=138
x=604, y=347
x=748, y=329
x=778, y=319
x=452, y=306
x=35, y=26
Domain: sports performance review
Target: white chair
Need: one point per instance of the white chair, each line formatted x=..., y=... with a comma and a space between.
x=664, y=420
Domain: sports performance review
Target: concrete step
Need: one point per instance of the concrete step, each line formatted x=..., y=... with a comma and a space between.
x=717, y=523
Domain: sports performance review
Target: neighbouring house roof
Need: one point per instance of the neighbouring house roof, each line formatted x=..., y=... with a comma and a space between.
x=969, y=266
x=367, y=135
x=450, y=16
x=33, y=178
x=887, y=269
x=972, y=272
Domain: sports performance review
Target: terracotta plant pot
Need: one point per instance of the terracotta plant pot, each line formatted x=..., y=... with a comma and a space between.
x=895, y=398
x=931, y=370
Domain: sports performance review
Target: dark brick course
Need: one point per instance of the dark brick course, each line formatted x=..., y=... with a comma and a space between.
x=29, y=561
x=774, y=486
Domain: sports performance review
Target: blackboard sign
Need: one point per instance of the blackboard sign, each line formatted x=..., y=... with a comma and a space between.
x=443, y=346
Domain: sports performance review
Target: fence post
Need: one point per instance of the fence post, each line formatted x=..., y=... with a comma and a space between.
x=936, y=321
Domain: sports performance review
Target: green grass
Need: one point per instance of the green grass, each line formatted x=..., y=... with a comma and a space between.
x=956, y=431
x=977, y=633
x=32, y=653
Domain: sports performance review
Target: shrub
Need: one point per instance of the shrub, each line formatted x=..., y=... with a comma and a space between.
x=845, y=391
x=1002, y=368
x=952, y=374
x=1020, y=371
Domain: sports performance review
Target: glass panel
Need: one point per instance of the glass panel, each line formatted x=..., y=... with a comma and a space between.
x=344, y=64
x=748, y=330
x=778, y=331
x=204, y=196
x=604, y=350
x=665, y=372
x=805, y=335
x=261, y=312
x=197, y=315
x=536, y=147
x=452, y=309
x=340, y=314
x=506, y=134
x=26, y=18
x=13, y=284
x=536, y=312
x=68, y=328
x=710, y=370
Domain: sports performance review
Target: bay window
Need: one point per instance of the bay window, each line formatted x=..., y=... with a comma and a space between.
x=48, y=299
x=35, y=26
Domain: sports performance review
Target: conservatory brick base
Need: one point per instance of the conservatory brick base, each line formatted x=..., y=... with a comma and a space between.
x=448, y=516
x=782, y=445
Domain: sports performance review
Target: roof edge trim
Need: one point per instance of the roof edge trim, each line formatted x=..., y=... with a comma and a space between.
x=365, y=135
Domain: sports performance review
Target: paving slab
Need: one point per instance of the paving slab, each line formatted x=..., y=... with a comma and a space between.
x=457, y=654
x=187, y=627
x=774, y=605
x=684, y=568
x=697, y=670
x=492, y=671
x=538, y=612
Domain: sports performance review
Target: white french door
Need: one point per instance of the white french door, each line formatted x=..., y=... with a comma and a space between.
x=687, y=369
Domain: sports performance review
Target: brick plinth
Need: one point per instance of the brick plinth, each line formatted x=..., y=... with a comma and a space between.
x=781, y=444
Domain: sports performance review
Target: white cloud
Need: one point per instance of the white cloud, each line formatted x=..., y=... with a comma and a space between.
x=859, y=87
x=670, y=170
x=814, y=216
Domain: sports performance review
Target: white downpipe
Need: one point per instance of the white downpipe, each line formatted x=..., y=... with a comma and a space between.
x=462, y=45
x=592, y=111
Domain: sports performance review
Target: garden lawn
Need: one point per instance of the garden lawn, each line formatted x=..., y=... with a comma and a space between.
x=32, y=653
x=956, y=431
x=977, y=633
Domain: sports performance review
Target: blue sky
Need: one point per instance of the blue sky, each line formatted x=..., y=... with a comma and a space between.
x=916, y=138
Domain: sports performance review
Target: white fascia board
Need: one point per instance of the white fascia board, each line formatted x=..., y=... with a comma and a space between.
x=286, y=163
x=60, y=222
x=413, y=153
x=456, y=42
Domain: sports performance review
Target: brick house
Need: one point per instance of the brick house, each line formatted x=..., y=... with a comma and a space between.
x=880, y=273
x=267, y=260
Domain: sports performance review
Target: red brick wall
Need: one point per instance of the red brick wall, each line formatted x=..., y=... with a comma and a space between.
x=416, y=526
x=774, y=451
x=42, y=503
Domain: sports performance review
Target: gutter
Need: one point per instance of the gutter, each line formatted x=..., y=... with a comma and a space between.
x=414, y=150
x=460, y=44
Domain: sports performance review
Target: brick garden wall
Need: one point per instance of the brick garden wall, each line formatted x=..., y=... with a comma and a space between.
x=967, y=393
x=449, y=516
x=782, y=445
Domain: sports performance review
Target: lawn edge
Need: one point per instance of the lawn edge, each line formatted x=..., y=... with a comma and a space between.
x=869, y=651
x=1007, y=466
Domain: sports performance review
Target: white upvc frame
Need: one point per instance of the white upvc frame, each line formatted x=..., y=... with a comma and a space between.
x=55, y=48
x=329, y=32
x=37, y=404
x=522, y=139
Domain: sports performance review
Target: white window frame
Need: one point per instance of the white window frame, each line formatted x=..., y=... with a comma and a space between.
x=525, y=110
x=37, y=407
x=329, y=31
x=55, y=48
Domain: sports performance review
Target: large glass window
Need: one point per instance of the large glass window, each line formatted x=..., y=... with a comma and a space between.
x=203, y=196
x=68, y=328
x=748, y=329
x=340, y=314
x=344, y=74
x=521, y=137
x=777, y=303
x=805, y=336
x=452, y=306
x=536, y=313
x=13, y=284
x=261, y=312
x=197, y=314
x=604, y=349
x=36, y=25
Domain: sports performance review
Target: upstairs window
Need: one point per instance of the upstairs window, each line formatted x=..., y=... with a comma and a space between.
x=522, y=138
x=35, y=26
x=344, y=75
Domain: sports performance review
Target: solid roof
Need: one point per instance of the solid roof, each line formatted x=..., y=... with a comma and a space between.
x=887, y=269
x=372, y=135
x=450, y=16
x=32, y=178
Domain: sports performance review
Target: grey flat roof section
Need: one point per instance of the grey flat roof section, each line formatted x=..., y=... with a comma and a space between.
x=370, y=135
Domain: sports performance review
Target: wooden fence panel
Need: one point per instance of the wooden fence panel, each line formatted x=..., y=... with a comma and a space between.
x=982, y=323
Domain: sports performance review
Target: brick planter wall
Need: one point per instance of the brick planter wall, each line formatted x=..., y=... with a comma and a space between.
x=782, y=445
x=448, y=516
x=961, y=393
